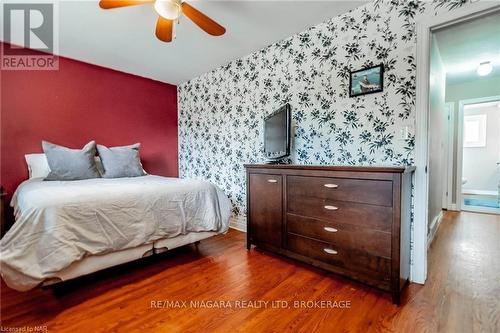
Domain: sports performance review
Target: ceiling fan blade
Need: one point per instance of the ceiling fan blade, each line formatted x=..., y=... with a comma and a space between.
x=204, y=22
x=164, y=29
x=109, y=4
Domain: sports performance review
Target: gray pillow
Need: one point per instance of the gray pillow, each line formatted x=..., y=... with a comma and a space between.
x=121, y=161
x=70, y=164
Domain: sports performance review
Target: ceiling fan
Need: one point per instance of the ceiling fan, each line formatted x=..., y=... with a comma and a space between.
x=170, y=11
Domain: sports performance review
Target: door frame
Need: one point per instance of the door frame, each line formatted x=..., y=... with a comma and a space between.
x=450, y=149
x=460, y=141
x=424, y=28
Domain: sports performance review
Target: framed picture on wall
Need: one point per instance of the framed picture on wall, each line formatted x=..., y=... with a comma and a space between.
x=366, y=81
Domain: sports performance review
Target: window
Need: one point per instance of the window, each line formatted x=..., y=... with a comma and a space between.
x=475, y=131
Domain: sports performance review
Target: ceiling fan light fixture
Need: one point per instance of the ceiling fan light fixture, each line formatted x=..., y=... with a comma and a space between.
x=484, y=68
x=168, y=9
x=169, y=12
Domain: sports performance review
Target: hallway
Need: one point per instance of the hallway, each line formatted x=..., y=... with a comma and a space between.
x=462, y=292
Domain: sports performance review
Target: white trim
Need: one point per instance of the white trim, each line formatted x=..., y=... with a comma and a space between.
x=451, y=157
x=424, y=27
x=238, y=222
x=483, y=210
x=418, y=272
x=436, y=222
x=479, y=192
x=460, y=141
x=448, y=147
x=460, y=153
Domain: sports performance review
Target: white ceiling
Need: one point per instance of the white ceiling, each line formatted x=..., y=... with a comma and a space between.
x=464, y=46
x=123, y=38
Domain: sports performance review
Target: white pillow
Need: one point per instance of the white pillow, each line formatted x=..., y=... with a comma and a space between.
x=38, y=167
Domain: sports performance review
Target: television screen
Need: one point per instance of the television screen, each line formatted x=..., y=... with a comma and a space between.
x=277, y=133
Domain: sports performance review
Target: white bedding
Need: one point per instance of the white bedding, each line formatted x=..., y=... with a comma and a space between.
x=60, y=222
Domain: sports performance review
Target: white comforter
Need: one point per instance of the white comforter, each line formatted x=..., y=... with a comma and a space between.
x=58, y=223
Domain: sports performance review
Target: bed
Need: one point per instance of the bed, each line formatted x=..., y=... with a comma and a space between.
x=66, y=229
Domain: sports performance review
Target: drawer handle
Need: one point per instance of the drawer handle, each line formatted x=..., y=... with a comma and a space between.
x=272, y=181
x=330, y=251
x=330, y=229
x=331, y=185
x=331, y=207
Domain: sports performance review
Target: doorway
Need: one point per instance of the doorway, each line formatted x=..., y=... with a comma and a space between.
x=464, y=69
x=424, y=142
x=478, y=172
x=464, y=117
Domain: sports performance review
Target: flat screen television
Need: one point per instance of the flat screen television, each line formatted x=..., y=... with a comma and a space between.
x=277, y=129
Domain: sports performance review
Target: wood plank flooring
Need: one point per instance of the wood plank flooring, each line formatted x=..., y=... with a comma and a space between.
x=462, y=293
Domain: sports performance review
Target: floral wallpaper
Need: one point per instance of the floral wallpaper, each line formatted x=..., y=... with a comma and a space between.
x=221, y=112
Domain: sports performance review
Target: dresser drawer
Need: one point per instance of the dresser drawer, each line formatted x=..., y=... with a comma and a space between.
x=348, y=259
x=374, y=192
x=368, y=216
x=349, y=236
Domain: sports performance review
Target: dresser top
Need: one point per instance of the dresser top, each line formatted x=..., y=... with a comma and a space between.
x=353, y=168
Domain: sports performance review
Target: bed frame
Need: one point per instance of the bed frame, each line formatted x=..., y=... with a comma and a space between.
x=96, y=263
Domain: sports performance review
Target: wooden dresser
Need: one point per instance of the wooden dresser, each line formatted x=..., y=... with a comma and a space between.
x=354, y=221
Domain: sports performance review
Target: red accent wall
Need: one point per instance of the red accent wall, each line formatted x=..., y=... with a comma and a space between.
x=82, y=102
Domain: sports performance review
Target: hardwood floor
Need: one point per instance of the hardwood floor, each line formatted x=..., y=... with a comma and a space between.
x=462, y=293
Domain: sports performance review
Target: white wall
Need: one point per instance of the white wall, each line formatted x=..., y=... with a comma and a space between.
x=437, y=122
x=479, y=163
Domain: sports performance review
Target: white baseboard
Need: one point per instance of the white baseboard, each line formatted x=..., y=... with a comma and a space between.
x=238, y=222
x=453, y=207
x=434, y=228
x=479, y=192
